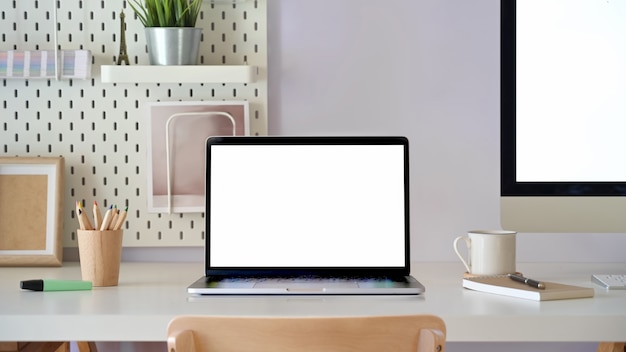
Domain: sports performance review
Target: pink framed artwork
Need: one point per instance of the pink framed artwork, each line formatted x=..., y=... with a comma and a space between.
x=176, y=149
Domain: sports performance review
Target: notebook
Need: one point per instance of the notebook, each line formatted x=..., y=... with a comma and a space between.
x=503, y=285
x=307, y=215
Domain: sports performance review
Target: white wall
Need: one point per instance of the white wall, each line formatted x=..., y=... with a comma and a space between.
x=426, y=69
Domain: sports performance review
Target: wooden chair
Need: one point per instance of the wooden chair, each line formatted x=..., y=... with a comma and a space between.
x=385, y=333
x=611, y=347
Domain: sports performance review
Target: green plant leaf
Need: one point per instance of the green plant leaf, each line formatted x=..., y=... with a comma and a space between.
x=167, y=13
x=140, y=10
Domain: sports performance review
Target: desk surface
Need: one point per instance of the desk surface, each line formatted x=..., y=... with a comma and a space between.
x=150, y=294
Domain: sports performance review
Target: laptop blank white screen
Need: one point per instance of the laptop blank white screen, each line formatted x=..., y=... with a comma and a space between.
x=307, y=206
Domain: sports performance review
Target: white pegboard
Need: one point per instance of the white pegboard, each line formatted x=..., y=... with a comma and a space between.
x=100, y=128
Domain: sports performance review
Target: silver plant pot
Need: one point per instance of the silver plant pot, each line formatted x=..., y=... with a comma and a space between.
x=173, y=45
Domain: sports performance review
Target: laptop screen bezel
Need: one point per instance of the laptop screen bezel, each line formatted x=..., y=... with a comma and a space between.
x=307, y=140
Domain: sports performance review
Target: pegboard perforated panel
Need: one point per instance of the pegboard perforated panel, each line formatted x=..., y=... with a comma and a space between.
x=101, y=128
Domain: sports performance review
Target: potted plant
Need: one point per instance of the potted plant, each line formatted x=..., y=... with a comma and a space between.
x=170, y=30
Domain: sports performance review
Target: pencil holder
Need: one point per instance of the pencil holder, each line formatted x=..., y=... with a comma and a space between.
x=100, y=255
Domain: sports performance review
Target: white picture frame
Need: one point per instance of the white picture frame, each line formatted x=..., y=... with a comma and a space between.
x=31, y=211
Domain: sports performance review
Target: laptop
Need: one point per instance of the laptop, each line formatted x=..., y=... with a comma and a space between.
x=307, y=216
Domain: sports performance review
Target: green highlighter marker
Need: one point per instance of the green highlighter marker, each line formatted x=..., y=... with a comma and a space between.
x=55, y=285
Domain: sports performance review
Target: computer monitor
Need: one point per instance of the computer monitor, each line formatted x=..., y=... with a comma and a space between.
x=563, y=116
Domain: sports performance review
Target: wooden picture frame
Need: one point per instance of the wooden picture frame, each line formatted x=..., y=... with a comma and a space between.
x=31, y=211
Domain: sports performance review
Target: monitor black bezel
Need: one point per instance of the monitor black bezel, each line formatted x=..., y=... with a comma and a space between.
x=299, y=271
x=508, y=182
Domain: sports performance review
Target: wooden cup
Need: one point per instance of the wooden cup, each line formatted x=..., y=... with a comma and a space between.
x=100, y=256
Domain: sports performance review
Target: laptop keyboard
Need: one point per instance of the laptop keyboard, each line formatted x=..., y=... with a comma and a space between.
x=304, y=279
x=610, y=281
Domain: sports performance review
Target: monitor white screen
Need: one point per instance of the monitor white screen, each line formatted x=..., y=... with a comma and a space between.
x=571, y=90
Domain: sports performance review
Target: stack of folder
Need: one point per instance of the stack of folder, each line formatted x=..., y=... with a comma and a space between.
x=74, y=64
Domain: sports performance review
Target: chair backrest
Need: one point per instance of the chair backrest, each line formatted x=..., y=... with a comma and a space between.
x=381, y=333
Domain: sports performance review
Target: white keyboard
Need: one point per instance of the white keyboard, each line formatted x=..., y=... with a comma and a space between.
x=610, y=281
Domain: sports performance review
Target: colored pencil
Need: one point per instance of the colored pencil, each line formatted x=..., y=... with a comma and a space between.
x=120, y=220
x=106, y=221
x=97, y=215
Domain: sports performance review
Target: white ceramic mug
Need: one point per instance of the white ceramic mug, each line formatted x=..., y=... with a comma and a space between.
x=491, y=252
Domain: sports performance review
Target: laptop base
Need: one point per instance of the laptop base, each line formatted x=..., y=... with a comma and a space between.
x=406, y=285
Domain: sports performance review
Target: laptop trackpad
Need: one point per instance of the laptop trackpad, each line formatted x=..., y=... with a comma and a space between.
x=297, y=284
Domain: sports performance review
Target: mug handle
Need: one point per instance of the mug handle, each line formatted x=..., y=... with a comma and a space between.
x=456, y=250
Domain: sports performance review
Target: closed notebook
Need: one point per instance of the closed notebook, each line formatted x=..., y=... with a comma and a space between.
x=503, y=285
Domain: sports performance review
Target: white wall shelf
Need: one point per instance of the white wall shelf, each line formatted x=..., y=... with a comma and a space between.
x=178, y=74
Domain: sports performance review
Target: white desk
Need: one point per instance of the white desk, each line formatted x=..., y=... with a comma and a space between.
x=150, y=294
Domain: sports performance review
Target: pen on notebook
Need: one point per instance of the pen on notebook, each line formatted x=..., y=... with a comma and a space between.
x=527, y=281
